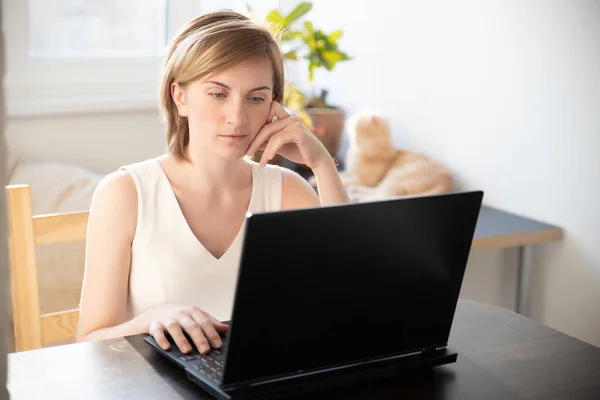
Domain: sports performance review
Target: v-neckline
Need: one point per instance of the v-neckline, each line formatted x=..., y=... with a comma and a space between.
x=186, y=223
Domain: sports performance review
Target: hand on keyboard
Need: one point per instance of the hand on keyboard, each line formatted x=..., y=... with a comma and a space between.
x=187, y=326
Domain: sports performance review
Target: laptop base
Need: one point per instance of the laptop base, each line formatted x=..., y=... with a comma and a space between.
x=347, y=377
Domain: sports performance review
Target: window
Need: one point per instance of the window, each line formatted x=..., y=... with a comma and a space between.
x=70, y=56
x=87, y=56
x=76, y=29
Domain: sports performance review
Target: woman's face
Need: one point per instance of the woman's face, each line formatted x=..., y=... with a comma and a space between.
x=226, y=110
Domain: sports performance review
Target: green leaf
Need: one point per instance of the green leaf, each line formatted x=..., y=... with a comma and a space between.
x=290, y=55
x=309, y=37
x=297, y=13
x=309, y=27
x=275, y=19
x=333, y=57
x=322, y=42
x=311, y=68
x=290, y=35
x=334, y=36
x=322, y=61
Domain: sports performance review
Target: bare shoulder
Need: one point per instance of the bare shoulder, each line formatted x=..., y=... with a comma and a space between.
x=297, y=192
x=115, y=198
x=117, y=184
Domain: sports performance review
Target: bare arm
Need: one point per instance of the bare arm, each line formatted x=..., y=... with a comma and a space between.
x=298, y=193
x=329, y=183
x=111, y=229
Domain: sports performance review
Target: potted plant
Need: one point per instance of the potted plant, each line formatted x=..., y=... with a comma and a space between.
x=319, y=50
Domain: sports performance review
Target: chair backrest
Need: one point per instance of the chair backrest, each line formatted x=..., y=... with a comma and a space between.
x=32, y=329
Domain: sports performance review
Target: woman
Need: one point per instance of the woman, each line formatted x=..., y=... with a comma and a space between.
x=164, y=235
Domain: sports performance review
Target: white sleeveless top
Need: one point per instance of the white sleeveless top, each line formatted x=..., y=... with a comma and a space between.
x=168, y=263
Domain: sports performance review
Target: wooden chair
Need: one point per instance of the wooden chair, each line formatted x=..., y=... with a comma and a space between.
x=31, y=329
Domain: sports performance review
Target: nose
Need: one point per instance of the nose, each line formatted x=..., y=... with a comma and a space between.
x=236, y=114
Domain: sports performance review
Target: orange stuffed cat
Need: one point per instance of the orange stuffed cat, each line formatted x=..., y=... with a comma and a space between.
x=377, y=171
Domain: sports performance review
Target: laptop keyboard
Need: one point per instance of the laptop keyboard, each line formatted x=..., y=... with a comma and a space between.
x=212, y=364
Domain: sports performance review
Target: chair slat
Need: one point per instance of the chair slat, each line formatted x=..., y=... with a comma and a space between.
x=56, y=228
x=24, y=281
x=59, y=326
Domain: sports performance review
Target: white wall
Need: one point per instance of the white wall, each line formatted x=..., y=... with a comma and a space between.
x=101, y=143
x=507, y=94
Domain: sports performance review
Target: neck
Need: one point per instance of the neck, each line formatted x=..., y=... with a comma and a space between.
x=215, y=175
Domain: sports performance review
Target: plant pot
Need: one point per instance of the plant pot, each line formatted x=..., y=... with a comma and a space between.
x=328, y=127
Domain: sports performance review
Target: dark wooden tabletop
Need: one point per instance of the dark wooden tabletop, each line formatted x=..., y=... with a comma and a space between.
x=502, y=355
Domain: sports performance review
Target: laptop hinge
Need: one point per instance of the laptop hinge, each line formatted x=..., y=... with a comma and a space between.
x=320, y=371
x=431, y=349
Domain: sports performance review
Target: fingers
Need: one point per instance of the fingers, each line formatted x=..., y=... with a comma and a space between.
x=264, y=134
x=174, y=329
x=206, y=325
x=156, y=331
x=278, y=111
x=275, y=143
x=219, y=326
x=195, y=332
x=212, y=334
x=272, y=125
x=188, y=326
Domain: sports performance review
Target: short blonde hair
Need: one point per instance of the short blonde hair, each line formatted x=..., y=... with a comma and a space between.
x=207, y=44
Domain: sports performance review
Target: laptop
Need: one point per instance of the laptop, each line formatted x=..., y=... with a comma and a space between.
x=336, y=295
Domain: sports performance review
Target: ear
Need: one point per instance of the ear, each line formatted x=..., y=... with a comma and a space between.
x=178, y=95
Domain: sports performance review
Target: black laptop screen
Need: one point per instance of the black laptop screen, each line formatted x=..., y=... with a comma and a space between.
x=335, y=285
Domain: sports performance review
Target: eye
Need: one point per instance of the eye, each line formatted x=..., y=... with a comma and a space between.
x=217, y=95
x=257, y=100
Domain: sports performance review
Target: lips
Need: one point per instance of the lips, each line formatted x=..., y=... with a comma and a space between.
x=233, y=138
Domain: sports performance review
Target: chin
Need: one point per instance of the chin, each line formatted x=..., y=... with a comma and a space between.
x=232, y=153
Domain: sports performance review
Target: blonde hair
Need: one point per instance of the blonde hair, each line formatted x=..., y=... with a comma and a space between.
x=207, y=44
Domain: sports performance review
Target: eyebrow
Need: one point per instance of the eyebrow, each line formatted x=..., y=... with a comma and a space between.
x=227, y=87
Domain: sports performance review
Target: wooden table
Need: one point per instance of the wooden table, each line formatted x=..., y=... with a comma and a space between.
x=498, y=229
x=502, y=355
